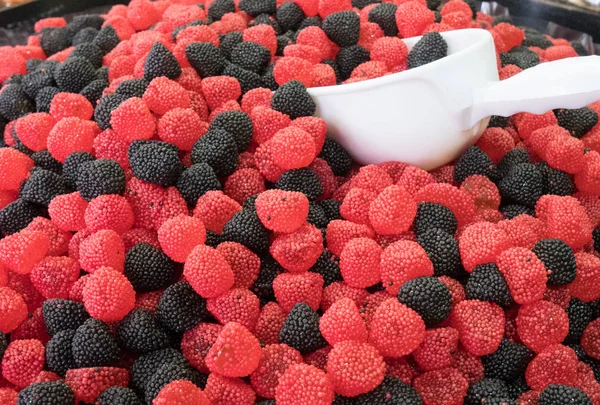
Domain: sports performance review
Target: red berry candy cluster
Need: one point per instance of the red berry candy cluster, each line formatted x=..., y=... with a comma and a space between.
x=177, y=228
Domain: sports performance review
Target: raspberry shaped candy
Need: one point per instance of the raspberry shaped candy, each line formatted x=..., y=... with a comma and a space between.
x=219, y=89
x=70, y=105
x=413, y=18
x=292, y=148
x=224, y=390
x=108, y=295
x=15, y=166
x=109, y=211
x=13, y=309
x=102, y=249
x=480, y=325
x=588, y=274
x=274, y=362
x=360, y=263
x=67, y=212
x=181, y=127
x=442, y=387
x=215, y=209
x=9, y=396
x=282, y=211
x=243, y=262
x=196, y=343
x=23, y=360
x=355, y=207
x=556, y=364
x=208, y=272
x=88, y=383
x=402, y=261
x=181, y=392
x=179, y=235
x=528, y=123
x=565, y=219
x=481, y=243
x=461, y=203
x=298, y=251
x=70, y=135
x=267, y=122
x=54, y=276
x=395, y=329
x=236, y=305
x=436, y=351
x=525, y=274
x=542, y=324
x=393, y=211
x=33, y=129
x=303, y=383
x=21, y=251
x=132, y=120
x=163, y=95
x=291, y=289
x=235, y=353
x=269, y=323
x=355, y=368
x=342, y=322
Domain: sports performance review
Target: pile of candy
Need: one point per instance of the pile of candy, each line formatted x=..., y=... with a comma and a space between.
x=176, y=228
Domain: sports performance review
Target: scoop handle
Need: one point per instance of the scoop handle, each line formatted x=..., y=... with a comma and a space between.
x=566, y=83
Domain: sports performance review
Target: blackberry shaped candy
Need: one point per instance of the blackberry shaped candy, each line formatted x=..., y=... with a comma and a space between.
x=169, y=373
x=555, y=182
x=559, y=260
x=100, y=177
x=427, y=296
x=509, y=211
x=132, y=88
x=180, y=308
x=349, y=57
x=557, y=394
x=334, y=66
x=42, y=187
x=17, y=215
x=155, y=162
x=266, y=19
x=391, y=391
x=140, y=332
x=178, y=29
x=580, y=315
x=434, y=216
x=536, y=39
x=384, y=15
x=442, y=250
x=248, y=80
x=3, y=344
x=268, y=80
x=107, y=39
x=148, y=268
x=53, y=40
x=213, y=239
x=86, y=35
x=331, y=209
x=44, y=160
x=524, y=59
x=161, y=62
x=343, y=28
x=34, y=82
x=255, y=7
x=316, y=215
x=46, y=393
x=59, y=355
x=44, y=97
x=226, y=45
x=206, y=58
x=579, y=48
x=219, y=8
x=91, y=52
x=74, y=74
x=328, y=266
x=85, y=21
x=105, y=107
x=94, y=345
x=485, y=390
x=218, y=149
x=60, y=315
x=245, y=228
x=195, y=181
x=263, y=286
x=71, y=167
x=523, y=185
x=474, y=161
x=314, y=21
x=511, y=159
x=237, y=123
x=289, y=15
x=301, y=330
x=497, y=121
x=251, y=56
x=93, y=91
x=578, y=122
x=508, y=362
x=486, y=283
x=303, y=180
x=118, y=396
x=14, y=103
x=292, y=99
x=147, y=364
x=430, y=48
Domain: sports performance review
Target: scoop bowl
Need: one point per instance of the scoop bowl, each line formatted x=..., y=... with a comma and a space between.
x=429, y=115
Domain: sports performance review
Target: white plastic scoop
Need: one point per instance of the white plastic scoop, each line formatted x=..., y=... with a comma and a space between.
x=429, y=115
